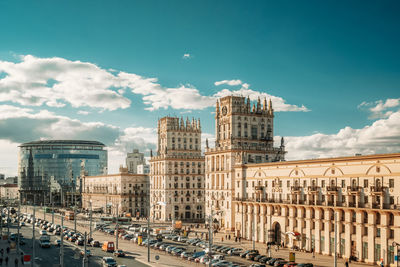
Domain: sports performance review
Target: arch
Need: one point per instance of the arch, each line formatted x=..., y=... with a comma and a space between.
x=293, y=171
x=276, y=233
x=335, y=168
x=373, y=167
x=260, y=174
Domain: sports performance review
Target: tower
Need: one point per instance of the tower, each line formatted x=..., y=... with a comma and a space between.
x=177, y=171
x=243, y=135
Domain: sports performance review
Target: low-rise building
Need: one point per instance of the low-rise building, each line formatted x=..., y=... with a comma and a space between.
x=9, y=192
x=128, y=193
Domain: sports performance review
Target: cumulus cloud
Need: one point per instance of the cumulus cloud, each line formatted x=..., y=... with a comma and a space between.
x=228, y=82
x=382, y=136
x=187, y=56
x=380, y=108
x=57, y=81
x=278, y=103
x=83, y=112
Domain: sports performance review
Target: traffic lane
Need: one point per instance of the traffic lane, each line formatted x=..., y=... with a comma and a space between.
x=128, y=260
x=46, y=256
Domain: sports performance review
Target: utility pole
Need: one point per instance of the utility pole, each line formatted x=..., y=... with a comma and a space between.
x=1, y=223
x=33, y=236
x=62, y=243
x=44, y=212
x=116, y=231
x=335, y=243
x=8, y=222
x=84, y=252
x=52, y=214
x=75, y=217
x=19, y=210
x=90, y=219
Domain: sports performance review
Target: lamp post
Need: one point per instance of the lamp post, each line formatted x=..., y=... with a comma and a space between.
x=398, y=251
x=90, y=220
x=148, y=228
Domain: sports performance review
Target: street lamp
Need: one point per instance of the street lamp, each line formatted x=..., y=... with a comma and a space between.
x=398, y=254
x=148, y=228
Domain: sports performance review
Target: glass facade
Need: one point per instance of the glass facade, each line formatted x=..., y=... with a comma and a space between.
x=43, y=164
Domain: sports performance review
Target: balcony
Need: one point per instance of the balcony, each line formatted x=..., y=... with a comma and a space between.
x=377, y=190
x=313, y=189
x=354, y=189
x=259, y=188
x=332, y=189
x=295, y=189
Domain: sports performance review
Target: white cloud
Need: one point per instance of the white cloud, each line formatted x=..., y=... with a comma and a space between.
x=380, y=108
x=8, y=157
x=57, y=81
x=278, y=103
x=382, y=136
x=83, y=112
x=228, y=82
x=187, y=56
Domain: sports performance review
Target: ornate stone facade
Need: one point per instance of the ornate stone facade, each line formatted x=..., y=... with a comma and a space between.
x=244, y=134
x=295, y=202
x=177, y=171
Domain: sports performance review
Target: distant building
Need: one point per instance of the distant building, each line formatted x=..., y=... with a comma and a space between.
x=129, y=193
x=9, y=192
x=44, y=166
x=177, y=171
x=143, y=169
x=133, y=160
x=2, y=176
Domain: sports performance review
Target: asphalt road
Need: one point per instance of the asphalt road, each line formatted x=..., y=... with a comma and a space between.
x=49, y=257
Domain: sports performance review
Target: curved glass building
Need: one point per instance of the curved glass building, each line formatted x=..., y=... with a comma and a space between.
x=50, y=170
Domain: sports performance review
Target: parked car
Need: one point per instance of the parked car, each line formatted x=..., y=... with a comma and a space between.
x=95, y=244
x=57, y=242
x=108, y=262
x=305, y=265
x=119, y=253
x=243, y=254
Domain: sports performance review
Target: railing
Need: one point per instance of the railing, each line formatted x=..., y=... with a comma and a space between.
x=295, y=188
x=332, y=188
x=259, y=187
x=313, y=188
x=354, y=188
x=377, y=189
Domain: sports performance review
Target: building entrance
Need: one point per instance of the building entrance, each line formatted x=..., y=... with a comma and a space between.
x=277, y=234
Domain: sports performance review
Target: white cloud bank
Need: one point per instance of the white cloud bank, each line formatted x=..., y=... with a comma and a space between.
x=382, y=136
x=56, y=82
x=380, y=108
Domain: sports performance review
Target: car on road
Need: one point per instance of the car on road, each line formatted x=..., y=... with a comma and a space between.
x=44, y=243
x=95, y=244
x=79, y=242
x=108, y=246
x=57, y=242
x=244, y=254
x=88, y=253
x=43, y=232
x=108, y=262
x=119, y=253
x=305, y=265
x=22, y=224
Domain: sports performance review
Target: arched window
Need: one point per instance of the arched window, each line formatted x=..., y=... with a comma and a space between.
x=187, y=208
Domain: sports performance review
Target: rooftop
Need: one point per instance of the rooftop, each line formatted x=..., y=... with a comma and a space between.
x=62, y=142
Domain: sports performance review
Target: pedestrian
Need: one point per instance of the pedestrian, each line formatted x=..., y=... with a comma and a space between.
x=229, y=236
x=16, y=262
x=346, y=264
x=8, y=250
x=7, y=260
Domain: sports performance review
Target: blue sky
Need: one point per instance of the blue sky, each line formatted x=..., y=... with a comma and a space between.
x=331, y=68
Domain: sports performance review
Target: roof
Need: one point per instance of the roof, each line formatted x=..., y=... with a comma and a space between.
x=62, y=142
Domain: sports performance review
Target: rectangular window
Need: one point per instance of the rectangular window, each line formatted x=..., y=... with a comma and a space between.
x=323, y=183
x=288, y=184
x=364, y=250
x=377, y=254
x=365, y=183
x=343, y=183
x=391, y=183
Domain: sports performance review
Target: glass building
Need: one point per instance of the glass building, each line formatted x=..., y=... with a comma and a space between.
x=50, y=170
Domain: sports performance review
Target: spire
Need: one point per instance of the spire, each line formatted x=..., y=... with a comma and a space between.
x=270, y=109
x=254, y=108
x=151, y=153
x=282, y=142
x=198, y=124
x=182, y=123
x=248, y=104
x=206, y=142
x=265, y=104
x=258, y=104
x=217, y=108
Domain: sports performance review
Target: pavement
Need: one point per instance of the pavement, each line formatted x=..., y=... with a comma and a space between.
x=166, y=260
x=14, y=258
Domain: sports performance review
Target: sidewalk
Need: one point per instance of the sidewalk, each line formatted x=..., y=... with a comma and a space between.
x=12, y=255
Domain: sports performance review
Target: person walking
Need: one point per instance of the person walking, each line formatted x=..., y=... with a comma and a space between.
x=346, y=264
x=1, y=261
x=16, y=262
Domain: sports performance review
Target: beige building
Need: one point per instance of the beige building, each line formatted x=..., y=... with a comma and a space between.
x=243, y=132
x=123, y=191
x=177, y=171
x=9, y=192
x=295, y=202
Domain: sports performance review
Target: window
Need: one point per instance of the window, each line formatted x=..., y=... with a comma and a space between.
x=323, y=183
x=288, y=184
x=343, y=183
x=391, y=183
x=365, y=183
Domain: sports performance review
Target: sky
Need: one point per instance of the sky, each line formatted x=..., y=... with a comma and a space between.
x=108, y=70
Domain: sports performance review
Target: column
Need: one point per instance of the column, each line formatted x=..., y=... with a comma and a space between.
x=347, y=233
x=262, y=223
x=371, y=236
x=384, y=237
x=308, y=229
x=300, y=224
x=318, y=226
x=329, y=224
x=249, y=233
x=255, y=222
x=359, y=233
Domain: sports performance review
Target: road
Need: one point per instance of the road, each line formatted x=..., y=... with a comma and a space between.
x=50, y=257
